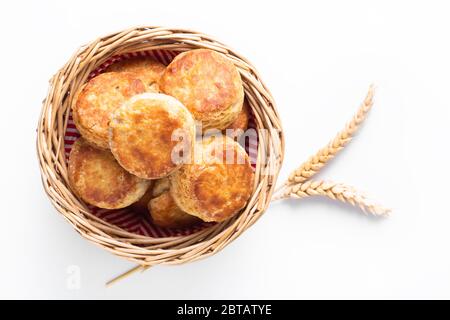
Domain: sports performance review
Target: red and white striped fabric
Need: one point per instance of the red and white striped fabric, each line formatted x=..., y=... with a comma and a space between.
x=125, y=218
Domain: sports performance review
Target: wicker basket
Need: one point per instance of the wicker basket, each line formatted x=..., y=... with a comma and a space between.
x=202, y=242
x=141, y=249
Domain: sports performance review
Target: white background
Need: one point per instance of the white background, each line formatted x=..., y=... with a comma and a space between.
x=318, y=59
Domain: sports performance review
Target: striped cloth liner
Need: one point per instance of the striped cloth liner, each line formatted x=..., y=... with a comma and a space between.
x=125, y=218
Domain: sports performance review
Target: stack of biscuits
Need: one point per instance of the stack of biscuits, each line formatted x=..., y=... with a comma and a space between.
x=151, y=138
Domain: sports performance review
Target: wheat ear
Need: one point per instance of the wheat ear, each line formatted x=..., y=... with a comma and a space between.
x=335, y=191
x=317, y=161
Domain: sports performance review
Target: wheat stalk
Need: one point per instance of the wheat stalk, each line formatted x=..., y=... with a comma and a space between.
x=317, y=161
x=335, y=191
x=127, y=273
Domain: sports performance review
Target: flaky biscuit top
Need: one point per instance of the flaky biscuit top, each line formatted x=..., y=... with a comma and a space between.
x=208, y=84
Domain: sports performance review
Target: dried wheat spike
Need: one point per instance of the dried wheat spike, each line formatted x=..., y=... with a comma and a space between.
x=317, y=161
x=335, y=191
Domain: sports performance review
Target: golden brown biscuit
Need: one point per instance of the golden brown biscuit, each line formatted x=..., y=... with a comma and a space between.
x=218, y=184
x=208, y=84
x=165, y=212
x=99, y=98
x=241, y=123
x=97, y=178
x=144, y=135
x=146, y=69
x=161, y=186
x=141, y=205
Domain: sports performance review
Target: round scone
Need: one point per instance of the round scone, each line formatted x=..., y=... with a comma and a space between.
x=147, y=70
x=166, y=213
x=240, y=123
x=218, y=184
x=152, y=135
x=208, y=84
x=98, y=99
x=97, y=178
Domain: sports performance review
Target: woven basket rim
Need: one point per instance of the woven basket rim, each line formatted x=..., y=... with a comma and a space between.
x=142, y=249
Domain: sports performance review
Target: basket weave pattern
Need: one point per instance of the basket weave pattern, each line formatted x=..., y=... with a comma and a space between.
x=142, y=249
